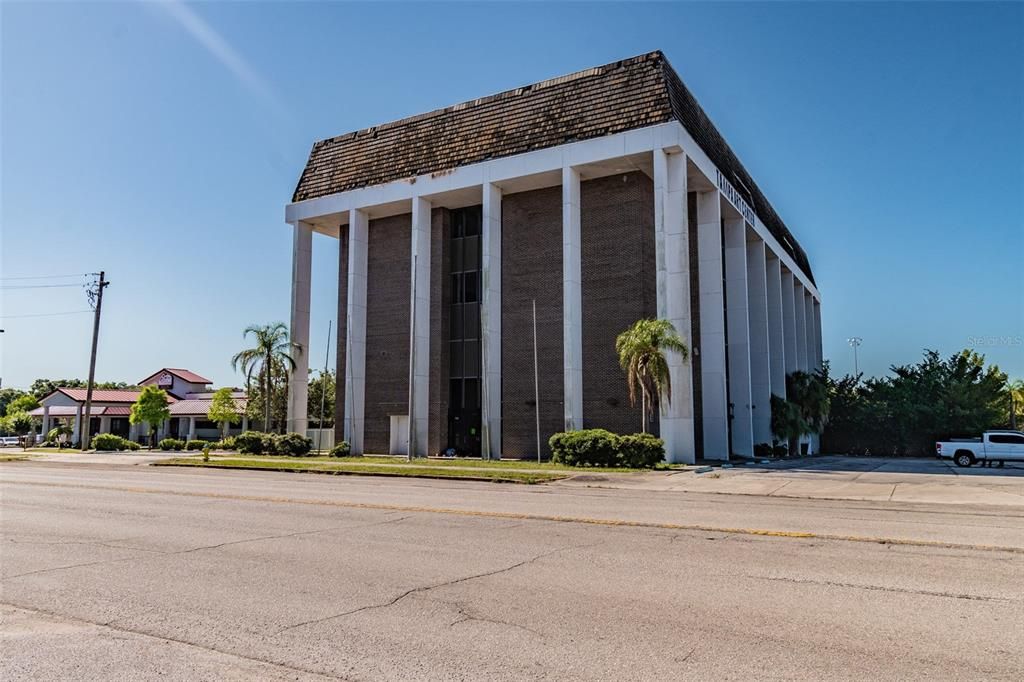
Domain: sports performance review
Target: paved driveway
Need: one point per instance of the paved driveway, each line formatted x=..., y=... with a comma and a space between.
x=846, y=478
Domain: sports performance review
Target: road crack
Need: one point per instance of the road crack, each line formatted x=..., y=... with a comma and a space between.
x=198, y=549
x=427, y=588
x=880, y=588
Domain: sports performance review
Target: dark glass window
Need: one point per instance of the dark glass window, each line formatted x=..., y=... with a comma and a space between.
x=464, y=327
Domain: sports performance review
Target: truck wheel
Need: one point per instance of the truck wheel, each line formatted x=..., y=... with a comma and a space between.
x=963, y=459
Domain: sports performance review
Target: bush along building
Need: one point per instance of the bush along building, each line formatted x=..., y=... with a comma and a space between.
x=188, y=393
x=604, y=196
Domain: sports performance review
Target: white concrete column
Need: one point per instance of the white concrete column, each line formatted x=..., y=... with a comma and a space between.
x=355, y=340
x=46, y=420
x=572, y=300
x=800, y=306
x=419, y=365
x=133, y=432
x=714, y=394
x=812, y=347
x=760, y=361
x=104, y=425
x=192, y=429
x=817, y=335
x=245, y=423
x=76, y=430
x=738, y=336
x=298, y=382
x=490, y=323
x=789, y=321
x=776, y=333
x=672, y=255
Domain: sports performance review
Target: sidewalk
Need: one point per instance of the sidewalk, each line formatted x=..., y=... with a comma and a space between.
x=845, y=478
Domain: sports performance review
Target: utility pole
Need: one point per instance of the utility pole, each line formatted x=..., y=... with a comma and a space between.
x=855, y=342
x=96, y=298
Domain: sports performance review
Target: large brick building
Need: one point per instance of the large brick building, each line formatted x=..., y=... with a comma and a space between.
x=604, y=196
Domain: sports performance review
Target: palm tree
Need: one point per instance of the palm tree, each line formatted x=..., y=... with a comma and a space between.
x=1016, y=389
x=270, y=353
x=641, y=350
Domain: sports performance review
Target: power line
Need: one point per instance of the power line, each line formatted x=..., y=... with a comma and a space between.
x=38, y=286
x=77, y=274
x=66, y=312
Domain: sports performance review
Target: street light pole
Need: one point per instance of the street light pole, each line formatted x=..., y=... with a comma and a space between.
x=855, y=342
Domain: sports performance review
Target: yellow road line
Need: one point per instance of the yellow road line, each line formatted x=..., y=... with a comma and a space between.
x=375, y=506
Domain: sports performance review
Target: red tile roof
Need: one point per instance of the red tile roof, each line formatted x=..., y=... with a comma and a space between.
x=117, y=395
x=97, y=411
x=183, y=374
x=192, y=408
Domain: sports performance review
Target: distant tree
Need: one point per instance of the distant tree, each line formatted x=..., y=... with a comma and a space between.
x=151, y=407
x=256, y=406
x=322, y=387
x=918, y=404
x=1015, y=389
x=41, y=388
x=7, y=395
x=641, y=350
x=24, y=403
x=788, y=425
x=270, y=355
x=223, y=409
x=21, y=424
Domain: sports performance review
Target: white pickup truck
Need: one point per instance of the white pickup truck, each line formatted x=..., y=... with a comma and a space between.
x=993, y=446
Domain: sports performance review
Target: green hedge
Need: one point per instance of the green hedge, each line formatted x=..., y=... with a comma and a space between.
x=289, y=444
x=342, y=449
x=171, y=444
x=226, y=444
x=601, y=448
x=108, y=441
x=196, y=444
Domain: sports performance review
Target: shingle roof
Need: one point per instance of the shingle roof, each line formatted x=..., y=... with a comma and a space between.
x=633, y=93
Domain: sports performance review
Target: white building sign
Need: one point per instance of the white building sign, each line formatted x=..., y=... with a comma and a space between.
x=735, y=198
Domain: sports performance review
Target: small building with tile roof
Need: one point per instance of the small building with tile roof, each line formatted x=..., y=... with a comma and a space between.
x=574, y=206
x=189, y=395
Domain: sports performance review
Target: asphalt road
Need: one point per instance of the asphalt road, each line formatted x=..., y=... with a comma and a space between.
x=139, y=573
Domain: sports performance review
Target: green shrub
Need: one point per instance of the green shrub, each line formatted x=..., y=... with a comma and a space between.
x=589, y=447
x=251, y=442
x=171, y=444
x=763, y=450
x=108, y=441
x=293, y=445
x=228, y=443
x=271, y=446
x=131, y=445
x=780, y=450
x=195, y=445
x=342, y=449
x=640, y=450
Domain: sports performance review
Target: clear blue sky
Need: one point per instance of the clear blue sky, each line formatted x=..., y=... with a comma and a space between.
x=160, y=143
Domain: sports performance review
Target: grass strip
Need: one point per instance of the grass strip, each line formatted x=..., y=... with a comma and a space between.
x=465, y=463
x=311, y=465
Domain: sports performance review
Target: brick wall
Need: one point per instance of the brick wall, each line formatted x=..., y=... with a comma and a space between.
x=619, y=282
x=342, y=338
x=531, y=249
x=387, y=328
